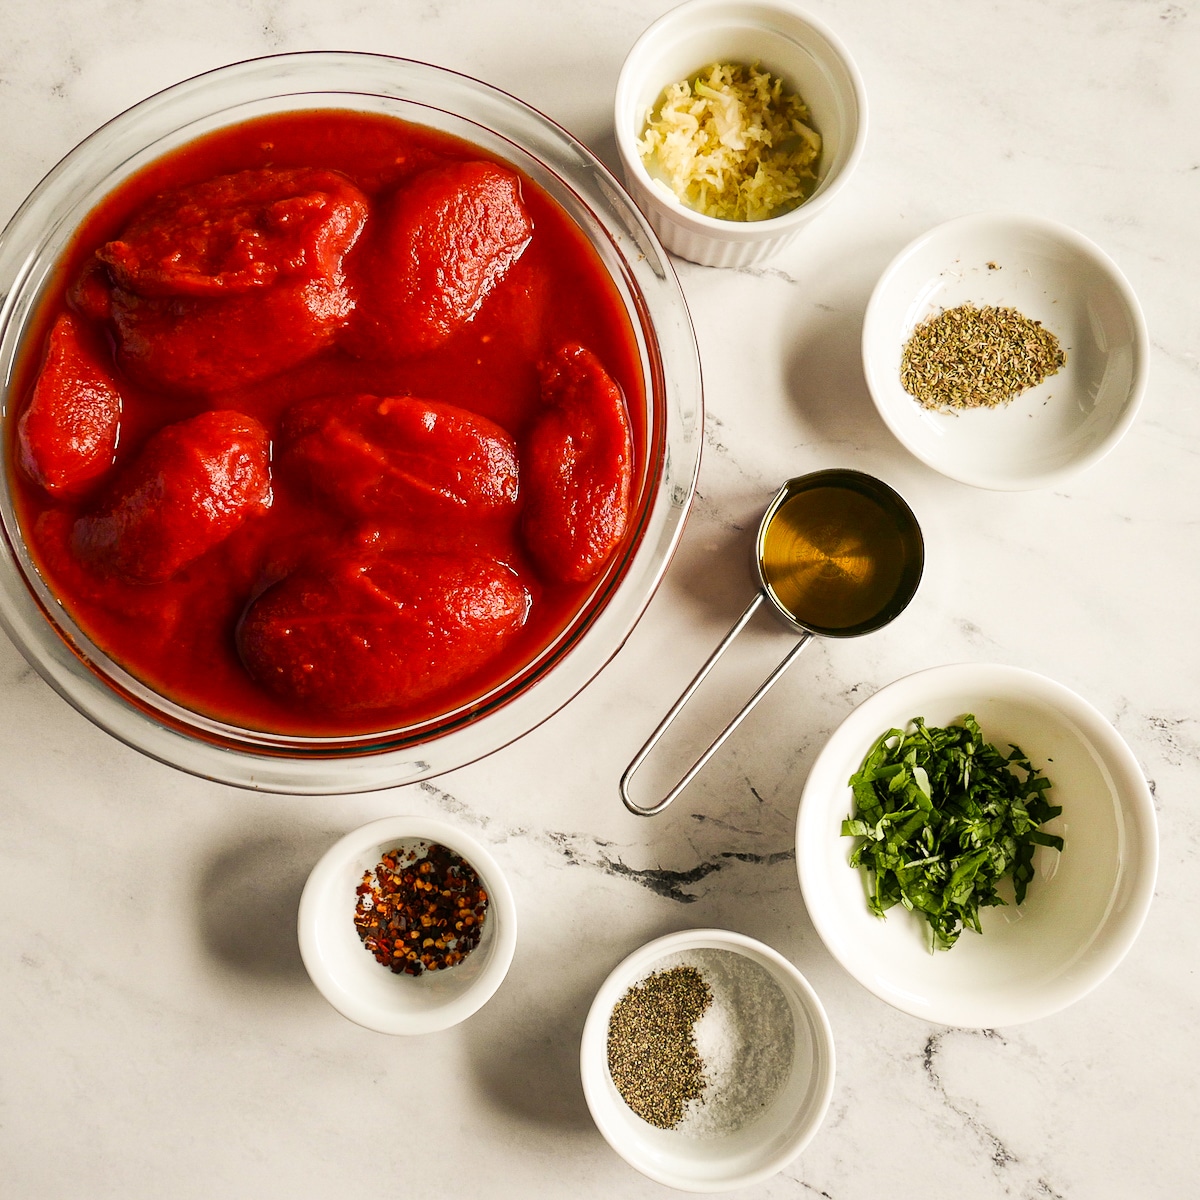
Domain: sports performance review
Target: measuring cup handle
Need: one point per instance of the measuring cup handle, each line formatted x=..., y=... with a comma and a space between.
x=654, y=738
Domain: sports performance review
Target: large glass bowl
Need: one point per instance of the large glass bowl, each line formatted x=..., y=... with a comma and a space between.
x=42, y=229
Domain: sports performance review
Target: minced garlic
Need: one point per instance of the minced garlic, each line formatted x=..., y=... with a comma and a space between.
x=732, y=143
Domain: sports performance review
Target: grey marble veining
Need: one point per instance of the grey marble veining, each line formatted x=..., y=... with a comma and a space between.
x=158, y=1034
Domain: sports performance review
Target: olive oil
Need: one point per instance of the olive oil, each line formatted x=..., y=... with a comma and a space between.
x=839, y=554
x=840, y=557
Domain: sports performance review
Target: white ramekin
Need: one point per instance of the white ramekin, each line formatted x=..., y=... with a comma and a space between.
x=790, y=44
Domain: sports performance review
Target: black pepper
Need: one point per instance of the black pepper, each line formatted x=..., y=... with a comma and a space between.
x=652, y=1055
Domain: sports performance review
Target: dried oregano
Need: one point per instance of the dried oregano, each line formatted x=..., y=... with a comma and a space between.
x=969, y=357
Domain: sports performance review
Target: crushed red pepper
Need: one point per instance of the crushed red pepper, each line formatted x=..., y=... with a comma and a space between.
x=420, y=912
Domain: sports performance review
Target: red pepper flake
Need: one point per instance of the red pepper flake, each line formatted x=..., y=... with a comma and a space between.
x=420, y=911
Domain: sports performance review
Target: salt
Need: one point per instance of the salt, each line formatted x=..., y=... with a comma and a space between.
x=746, y=1042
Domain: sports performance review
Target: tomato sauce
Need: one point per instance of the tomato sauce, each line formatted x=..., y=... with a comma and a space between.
x=301, y=323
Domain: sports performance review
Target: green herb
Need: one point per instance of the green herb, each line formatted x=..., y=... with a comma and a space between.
x=968, y=357
x=941, y=817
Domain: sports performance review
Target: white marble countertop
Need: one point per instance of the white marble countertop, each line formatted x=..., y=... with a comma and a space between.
x=158, y=1033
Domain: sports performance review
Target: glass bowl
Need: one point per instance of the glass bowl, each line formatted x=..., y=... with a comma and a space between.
x=40, y=232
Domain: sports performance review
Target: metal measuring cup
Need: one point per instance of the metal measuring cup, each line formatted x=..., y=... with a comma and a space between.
x=838, y=554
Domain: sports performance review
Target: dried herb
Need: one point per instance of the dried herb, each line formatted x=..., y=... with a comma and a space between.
x=941, y=817
x=420, y=912
x=652, y=1055
x=969, y=357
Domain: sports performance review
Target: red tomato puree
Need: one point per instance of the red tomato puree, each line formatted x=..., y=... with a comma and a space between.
x=331, y=427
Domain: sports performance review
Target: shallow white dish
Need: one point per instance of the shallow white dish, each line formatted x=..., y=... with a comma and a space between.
x=1084, y=908
x=1050, y=273
x=792, y=45
x=720, y=1161
x=345, y=972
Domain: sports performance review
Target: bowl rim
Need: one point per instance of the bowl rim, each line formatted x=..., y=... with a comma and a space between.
x=593, y=1048
x=874, y=335
x=332, y=866
x=700, y=223
x=857, y=731
x=670, y=361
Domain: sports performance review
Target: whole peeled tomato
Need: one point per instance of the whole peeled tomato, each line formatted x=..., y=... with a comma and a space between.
x=238, y=233
x=193, y=483
x=229, y=281
x=67, y=434
x=400, y=456
x=441, y=244
x=577, y=468
x=353, y=634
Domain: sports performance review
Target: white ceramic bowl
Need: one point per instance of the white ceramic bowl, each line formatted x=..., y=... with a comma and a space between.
x=1084, y=907
x=753, y=1152
x=790, y=44
x=344, y=970
x=1050, y=273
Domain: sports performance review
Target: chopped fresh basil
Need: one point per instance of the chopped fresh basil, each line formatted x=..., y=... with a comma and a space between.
x=941, y=816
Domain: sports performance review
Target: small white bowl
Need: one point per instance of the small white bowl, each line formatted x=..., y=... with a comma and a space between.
x=344, y=970
x=1084, y=907
x=717, y=1161
x=1049, y=273
x=790, y=44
